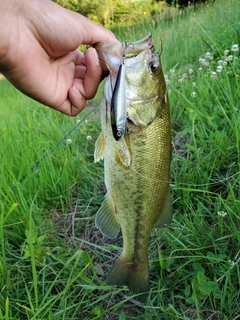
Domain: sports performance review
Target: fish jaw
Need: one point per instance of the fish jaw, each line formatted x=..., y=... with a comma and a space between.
x=111, y=53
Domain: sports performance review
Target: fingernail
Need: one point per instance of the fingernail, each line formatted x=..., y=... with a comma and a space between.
x=96, y=56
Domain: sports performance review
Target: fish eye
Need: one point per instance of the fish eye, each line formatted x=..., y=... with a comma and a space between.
x=153, y=66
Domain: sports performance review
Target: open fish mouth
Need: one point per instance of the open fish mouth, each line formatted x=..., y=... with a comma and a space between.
x=132, y=125
x=131, y=122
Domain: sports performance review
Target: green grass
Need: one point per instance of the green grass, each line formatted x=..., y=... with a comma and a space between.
x=53, y=262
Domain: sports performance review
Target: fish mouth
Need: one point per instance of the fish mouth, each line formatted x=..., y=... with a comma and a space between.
x=132, y=126
x=131, y=122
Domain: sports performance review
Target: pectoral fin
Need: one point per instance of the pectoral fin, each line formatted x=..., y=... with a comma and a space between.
x=123, y=156
x=99, y=148
x=165, y=216
x=105, y=219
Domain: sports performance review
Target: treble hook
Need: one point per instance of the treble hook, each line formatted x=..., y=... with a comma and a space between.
x=126, y=47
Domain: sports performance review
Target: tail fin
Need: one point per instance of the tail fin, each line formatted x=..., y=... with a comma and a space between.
x=135, y=276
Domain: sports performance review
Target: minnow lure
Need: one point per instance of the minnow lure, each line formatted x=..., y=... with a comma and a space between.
x=118, y=104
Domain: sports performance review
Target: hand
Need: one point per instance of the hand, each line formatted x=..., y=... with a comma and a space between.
x=39, y=55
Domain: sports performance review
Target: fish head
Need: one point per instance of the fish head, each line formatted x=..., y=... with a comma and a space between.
x=144, y=81
x=145, y=88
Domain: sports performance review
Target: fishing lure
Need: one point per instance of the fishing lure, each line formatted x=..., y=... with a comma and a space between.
x=118, y=103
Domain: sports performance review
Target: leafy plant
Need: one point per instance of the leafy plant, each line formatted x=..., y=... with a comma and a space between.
x=53, y=261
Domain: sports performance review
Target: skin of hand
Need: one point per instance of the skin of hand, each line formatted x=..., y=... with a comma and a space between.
x=39, y=55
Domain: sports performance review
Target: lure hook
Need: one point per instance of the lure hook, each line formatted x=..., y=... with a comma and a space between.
x=126, y=47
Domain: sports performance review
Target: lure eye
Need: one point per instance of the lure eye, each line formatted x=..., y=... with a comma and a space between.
x=153, y=66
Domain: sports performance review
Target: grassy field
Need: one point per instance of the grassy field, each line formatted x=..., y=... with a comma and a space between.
x=53, y=261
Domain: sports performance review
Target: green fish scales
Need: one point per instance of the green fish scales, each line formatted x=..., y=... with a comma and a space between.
x=137, y=166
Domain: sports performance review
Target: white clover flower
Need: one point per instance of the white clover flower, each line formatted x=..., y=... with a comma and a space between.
x=200, y=68
x=190, y=71
x=167, y=81
x=180, y=79
x=193, y=94
x=219, y=69
x=69, y=141
x=226, y=52
x=194, y=84
x=222, y=213
x=88, y=138
x=230, y=58
x=203, y=62
x=172, y=71
x=78, y=121
x=207, y=55
x=224, y=63
x=214, y=75
x=235, y=48
x=184, y=75
x=220, y=62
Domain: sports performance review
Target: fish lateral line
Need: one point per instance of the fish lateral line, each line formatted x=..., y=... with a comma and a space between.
x=183, y=183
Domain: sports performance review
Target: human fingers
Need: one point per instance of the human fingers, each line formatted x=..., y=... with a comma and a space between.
x=92, y=32
x=65, y=30
x=80, y=72
x=88, y=86
x=73, y=104
x=85, y=83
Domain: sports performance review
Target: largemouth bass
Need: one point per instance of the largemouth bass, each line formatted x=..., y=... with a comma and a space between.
x=137, y=166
